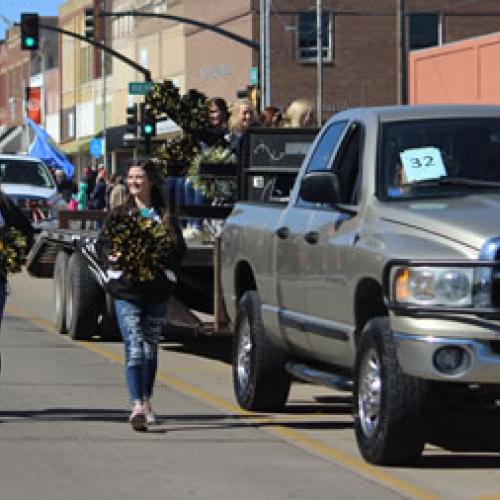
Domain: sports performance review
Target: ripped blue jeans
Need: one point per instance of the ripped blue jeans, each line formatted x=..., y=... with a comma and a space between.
x=140, y=327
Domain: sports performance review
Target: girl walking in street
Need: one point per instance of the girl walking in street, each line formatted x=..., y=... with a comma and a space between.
x=141, y=299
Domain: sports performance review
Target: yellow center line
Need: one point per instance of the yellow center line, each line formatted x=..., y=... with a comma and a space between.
x=300, y=439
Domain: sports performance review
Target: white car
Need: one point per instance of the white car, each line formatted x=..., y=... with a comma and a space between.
x=28, y=182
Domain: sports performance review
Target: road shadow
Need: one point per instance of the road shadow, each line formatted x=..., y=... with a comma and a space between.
x=174, y=422
x=458, y=461
x=216, y=348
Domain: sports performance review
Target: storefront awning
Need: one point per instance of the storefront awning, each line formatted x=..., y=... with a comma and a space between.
x=77, y=146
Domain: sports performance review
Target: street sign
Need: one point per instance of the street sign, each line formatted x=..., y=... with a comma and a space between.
x=96, y=148
x=139, y=88
x=254, y=76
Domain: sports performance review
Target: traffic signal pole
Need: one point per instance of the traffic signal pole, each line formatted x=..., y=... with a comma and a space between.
x=109, y=50
x=186, y=20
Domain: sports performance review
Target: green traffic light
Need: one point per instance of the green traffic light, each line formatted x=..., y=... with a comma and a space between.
x=29, y=42
x=148, y=129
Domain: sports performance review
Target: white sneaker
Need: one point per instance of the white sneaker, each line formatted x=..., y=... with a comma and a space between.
x=150, y=416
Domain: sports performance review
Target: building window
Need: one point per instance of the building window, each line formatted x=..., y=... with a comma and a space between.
x=307, y=36
x=425, y=30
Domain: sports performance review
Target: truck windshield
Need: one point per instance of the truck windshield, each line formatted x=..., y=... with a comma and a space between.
x=439, y=157
x=20, y=171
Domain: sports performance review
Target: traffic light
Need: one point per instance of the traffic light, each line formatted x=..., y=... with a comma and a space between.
x=29, y=31
x=89, y=23
x=148, y=123
x=132, y=119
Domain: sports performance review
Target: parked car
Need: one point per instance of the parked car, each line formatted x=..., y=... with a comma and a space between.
x=30, y=184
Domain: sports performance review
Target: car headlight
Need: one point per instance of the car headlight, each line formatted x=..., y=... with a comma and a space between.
x=434, y=286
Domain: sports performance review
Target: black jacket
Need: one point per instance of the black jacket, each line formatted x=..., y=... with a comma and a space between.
x=122, y=288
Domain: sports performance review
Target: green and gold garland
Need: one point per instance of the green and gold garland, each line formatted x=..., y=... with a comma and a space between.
x=175, y=155
x=215, y=189
x=13, y=249
x=140, y=247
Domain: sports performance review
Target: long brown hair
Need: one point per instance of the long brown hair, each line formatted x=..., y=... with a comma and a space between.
x=158, y=197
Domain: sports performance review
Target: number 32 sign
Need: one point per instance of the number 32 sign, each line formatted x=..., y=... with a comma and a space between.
x=422, y=163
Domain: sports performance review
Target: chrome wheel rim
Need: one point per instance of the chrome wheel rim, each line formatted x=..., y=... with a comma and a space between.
x=370, y=393
x=244, y=354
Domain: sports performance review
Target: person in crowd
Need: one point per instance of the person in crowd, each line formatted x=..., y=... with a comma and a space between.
x=243, y=116
x=118, y=193
x=82, y=196
x=300, y=113
x=218, y=114
x=141, y=307
x=65, y=187
x=89, y=176
x=98, y=195
x=11, y=216
x=214, y=134
x=270, y=116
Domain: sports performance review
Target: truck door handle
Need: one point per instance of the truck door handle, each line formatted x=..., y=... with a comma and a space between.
x=283, y=232
x=311, y=237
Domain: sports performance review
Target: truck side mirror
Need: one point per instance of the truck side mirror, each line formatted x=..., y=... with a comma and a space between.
x=320, y=187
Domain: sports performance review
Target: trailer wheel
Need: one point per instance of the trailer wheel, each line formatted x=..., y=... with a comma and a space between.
x=110, y=331
x=84, y=299
x=60, y=274
x=259, y=377
x=390, y=417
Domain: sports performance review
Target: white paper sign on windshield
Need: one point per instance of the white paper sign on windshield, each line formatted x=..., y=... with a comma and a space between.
x=420, y=164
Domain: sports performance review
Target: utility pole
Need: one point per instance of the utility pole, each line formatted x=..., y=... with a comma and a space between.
x=262, y=69
x=265, y=53
x=319, y=62
x=104, y=110
x=401, y=69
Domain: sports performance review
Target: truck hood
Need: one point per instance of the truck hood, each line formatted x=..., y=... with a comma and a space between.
x=470, y=220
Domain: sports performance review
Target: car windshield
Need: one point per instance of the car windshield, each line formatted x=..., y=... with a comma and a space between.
x=439, y=157
x=20, y=171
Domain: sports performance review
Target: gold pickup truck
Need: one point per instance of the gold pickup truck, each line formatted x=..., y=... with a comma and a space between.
x=380, y=274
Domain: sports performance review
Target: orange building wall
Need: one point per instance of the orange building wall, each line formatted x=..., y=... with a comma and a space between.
x=465, y=72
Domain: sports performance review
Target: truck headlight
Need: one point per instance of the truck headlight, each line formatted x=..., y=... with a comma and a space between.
x=436, y=286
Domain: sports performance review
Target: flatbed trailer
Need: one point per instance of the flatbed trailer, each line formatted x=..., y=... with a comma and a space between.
x=81, y=306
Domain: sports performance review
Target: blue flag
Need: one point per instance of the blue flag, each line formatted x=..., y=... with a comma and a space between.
x=45, y=148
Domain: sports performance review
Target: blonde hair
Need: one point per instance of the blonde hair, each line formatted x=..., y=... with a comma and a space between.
x=296, y=112
x=234, y=123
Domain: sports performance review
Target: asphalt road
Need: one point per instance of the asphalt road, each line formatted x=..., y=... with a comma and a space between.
x=63, y=430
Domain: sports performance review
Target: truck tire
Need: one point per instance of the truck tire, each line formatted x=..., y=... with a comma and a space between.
x=389, y=406
x=109, y=325
x=259, y=377
x=60, y=273
x=83, y=299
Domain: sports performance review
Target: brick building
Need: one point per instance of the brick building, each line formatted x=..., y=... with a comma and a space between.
x=360, y=41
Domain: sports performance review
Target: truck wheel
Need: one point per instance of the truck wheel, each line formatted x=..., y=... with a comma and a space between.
x=60, y=272
x=389, y=406
x=109, y=325
x=259, y=377
x=84, y=299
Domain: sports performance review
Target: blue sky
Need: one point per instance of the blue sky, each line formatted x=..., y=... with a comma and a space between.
x=12, y=9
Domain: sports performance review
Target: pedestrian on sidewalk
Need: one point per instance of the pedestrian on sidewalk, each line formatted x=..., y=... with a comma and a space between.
x=11, y=216
x=141, y=305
